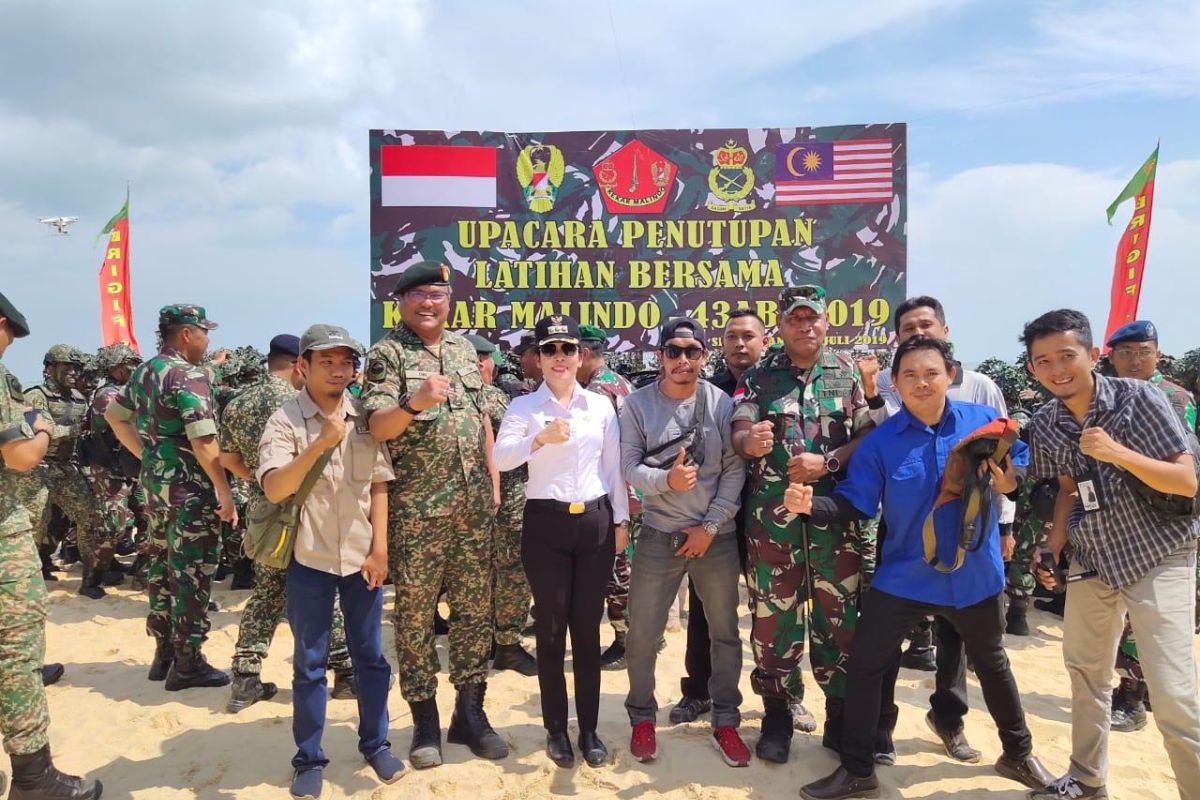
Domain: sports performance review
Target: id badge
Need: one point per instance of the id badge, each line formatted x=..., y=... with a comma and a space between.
x=1089, y=493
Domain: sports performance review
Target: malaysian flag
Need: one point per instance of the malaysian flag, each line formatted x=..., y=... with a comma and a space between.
x=824, y=173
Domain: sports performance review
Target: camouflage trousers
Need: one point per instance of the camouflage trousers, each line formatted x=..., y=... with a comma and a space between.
x=781, y=619
x=868, y=551
x=184, y=548
x=424, y=552
x=24, y=714
x=111, y=491
x=261, y=616
x=1019, y=570
x=510, y=587
x=1129, y=666
x=67, y=488
x=616, y=597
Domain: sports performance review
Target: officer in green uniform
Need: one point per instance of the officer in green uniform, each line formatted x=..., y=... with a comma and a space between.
x=424, y=394
x=796, y=415
x=24, y=714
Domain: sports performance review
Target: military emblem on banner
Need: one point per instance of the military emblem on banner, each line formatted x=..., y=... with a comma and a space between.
x=730, y=181
x=540, y=171
x=635, y=180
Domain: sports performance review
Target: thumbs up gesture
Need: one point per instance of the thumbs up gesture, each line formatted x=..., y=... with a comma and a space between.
x=798, y=498
x=681, y=477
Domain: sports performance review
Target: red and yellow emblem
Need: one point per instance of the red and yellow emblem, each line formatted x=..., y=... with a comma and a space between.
x=635, y=180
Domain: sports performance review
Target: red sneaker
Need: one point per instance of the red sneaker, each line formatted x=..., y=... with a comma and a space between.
x=642, y=744
x=731, y=747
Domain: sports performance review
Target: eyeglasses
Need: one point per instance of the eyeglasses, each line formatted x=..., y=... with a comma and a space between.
x=550, y=349
x=419, y=296
x=692, y=351
x=1131, y=354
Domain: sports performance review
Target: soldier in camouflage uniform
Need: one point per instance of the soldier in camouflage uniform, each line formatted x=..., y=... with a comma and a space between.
x=796, y=412
x=59, y=475
x=510, y=587
x=24, y=714
x=164, y=415
x=424, y=395
x=1135, y=354
x=595, y=376
x=531, y=370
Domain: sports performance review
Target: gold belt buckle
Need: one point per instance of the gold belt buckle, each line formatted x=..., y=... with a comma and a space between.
x=575, y=508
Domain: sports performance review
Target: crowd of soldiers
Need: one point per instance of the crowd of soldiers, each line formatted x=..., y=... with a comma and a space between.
x=154, y=462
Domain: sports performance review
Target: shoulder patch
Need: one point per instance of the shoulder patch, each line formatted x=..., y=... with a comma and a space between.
x=14, y=388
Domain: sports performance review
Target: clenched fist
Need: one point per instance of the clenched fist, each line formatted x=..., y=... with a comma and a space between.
x=433, y=392
x=760, y=439
x=555, y=432
x=798, y=498
x=333, y=430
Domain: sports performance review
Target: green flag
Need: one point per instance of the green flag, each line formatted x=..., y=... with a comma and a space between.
x=1136, y=184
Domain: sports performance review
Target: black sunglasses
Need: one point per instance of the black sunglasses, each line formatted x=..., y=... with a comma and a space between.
x=692, y=351
x=552, y=349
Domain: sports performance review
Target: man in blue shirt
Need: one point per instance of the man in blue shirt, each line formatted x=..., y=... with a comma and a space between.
x=900, y=465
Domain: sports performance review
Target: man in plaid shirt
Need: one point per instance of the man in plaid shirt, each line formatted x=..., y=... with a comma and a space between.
x=1096, y=436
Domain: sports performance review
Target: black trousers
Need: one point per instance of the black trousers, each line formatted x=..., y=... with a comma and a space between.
x=882, y=625
x=697, y=658
x=568, y=559
x=949, y=698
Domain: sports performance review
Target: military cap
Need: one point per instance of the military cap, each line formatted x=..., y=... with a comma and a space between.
x=64, y=354
x=681, y=328
x=422, y=273
x=285, y=344
x=1140, y=330
x=184, y=314
x=528, y=340
x=327, y=337
x=16, y=320
x=557, y=328
x=807, y=296
x=594, y=337
x=480, y=344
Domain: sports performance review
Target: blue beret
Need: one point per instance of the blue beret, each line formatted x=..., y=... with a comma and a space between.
x=285, y=344
x=1140, y=330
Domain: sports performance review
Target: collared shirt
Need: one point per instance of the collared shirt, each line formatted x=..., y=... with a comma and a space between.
x=580, y=469
x=1127, y=537
x=334, y=534
x=901, y=464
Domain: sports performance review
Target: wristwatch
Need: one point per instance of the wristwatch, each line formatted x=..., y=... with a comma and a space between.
x=406, y=404
x=711, y=528
x=832, y=464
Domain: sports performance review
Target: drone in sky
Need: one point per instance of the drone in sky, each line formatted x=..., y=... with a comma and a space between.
x=59, y=223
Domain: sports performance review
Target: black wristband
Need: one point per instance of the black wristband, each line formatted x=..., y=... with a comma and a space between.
x=875, y=403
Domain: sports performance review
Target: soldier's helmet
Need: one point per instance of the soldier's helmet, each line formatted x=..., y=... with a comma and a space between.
x=64, y=354
x=116, y=355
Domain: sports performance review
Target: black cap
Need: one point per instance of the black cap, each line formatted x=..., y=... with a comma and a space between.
x=285, y=344
x=681, y=328
x=528, y=340
x=556, y=328
x=422, y=273
x=15, y=318
x=480, y=344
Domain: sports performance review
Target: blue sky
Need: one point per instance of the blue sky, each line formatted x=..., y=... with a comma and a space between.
x=243, y=129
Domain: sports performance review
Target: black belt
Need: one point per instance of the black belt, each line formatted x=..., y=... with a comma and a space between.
x=568, y=508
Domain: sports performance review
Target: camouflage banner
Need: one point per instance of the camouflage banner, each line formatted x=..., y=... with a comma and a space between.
x=621, y=229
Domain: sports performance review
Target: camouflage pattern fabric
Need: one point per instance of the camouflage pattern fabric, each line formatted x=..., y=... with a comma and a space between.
x=440, y=508
x=59, y=476
x=1180, y=399
x=1030, y=532
x=111, y=490
x=170, y=402
x=510, y=588
x=24, y=714
x=513, y=386
x=814, y=411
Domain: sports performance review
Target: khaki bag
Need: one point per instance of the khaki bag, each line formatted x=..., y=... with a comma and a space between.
x=270, y=534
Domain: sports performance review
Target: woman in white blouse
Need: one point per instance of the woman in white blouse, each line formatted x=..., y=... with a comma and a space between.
x=576, y=512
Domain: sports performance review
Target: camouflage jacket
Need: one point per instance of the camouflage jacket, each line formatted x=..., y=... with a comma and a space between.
x=814, y=411
x=169, y=401
x=245, y=419
x=14, y=517
x=515, y=387
x=1180, y=399
x=68, y=408
x=442, y=450
x=495, y=404
x=612, y=386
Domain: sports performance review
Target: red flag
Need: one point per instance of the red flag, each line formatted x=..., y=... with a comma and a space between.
x=1131, y=252
x=116, y=303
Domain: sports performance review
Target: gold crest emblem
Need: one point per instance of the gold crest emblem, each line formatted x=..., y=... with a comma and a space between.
x=730, y=181
x=540, y=170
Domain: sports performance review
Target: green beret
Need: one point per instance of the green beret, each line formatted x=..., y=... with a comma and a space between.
x=480, y=344
x=595, y=338
x=422, y=273
x=16, y=319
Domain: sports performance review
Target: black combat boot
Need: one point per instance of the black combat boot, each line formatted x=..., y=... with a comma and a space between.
x=1056, y=605
x=164, y=656
x=345, y=685
x=613, y=657
x=514, y=657
x=52, y=673
x=246, y=690
x=48, y=567
x=920, y=653
x=1015, y=623
x=426, y=748
x=92, y=584
x=469, y=724
x=775, y=743
x=1128, y=707
x=243, y=574
x=36, y=778
x=832, y=736
x=191, y=669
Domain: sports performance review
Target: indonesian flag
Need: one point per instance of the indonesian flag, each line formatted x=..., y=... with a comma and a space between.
x=437, y=175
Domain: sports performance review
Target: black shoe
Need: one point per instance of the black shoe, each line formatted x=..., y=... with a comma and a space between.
x=164, y=657
x=689, y=708
x=558, y=749
x=191, y=670
x=775, y=742
x=345, y=685
x=246, y=690
x=440, y=626
x=841, y=785
x=224, y=570
x=593, y=750
x=613, y=657
x=426, y=748
x=922, y=659
x=1128, y=717
x=51, y=673
x=515, y=658
x=1057, y=605
x=1015, y=623
x=955, y=741
x=243, y=574
x=113, y=577
x=91, y=585
x=469, y=724
x=1028, y=771
x=885, y=750
x=48, y=566
x=35, y=778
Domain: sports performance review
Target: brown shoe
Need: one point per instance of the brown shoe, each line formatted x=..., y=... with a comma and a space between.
x=1028, y=771
x=841, y=785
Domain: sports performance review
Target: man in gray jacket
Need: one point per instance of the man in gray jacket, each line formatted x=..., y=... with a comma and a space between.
x=676, y=450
